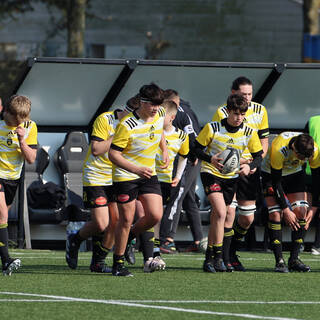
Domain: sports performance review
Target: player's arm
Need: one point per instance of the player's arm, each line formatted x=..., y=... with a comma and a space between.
x=101, y=137
x=182, y=162
x=265, y=146
x=289, y=216
x=99, y=146
x=28, y=146
x=165, y=154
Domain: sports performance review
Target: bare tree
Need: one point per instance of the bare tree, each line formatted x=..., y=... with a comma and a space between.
x=311, y=16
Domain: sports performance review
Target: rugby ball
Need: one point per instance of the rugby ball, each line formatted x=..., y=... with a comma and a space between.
x=230, y=160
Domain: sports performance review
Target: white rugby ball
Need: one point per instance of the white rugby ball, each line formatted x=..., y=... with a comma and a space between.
x=230, y=160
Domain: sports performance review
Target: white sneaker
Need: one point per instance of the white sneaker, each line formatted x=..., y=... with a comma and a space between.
x=152, y=264
x=315, y=251
x=160, y=261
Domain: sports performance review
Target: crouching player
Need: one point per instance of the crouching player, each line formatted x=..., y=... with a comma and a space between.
x=18, y=143
x=285, y=193
x=219, y=187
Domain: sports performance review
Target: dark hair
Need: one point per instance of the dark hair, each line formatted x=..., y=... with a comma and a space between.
x=304, y=145
x=170, y=94
x=151, y=93
x=237, y=102
x=133, y=103
x=240, y=81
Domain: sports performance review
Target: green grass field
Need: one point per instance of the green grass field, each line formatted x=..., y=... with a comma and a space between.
x=45, y=288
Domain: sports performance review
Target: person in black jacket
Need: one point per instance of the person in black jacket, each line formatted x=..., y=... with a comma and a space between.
x=185, y=196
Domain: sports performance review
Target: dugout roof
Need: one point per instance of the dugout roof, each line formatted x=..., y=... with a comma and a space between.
x=68, y=94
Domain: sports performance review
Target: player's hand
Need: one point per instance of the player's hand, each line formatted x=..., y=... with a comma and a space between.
x=195, y=162
x=311, y=212
x=144, y=172
x=244, y=169
x=215, y=161
x=20, y=133
x=165, y=160
x=291, y=219
x=175, y=182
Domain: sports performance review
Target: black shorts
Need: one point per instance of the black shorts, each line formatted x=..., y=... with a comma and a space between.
x=127, y=191
x=9, y=187
x=97, y=196
x=167, y=191
x=249, y=186
x=227, y=187
x=292, y=183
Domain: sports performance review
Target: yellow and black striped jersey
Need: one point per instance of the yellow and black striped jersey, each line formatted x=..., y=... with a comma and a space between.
x=215, y=137
x=97, y=170
x=281, y=157
x=177, y=143
x=11, y=159
x=256, y=118
x=138, y=141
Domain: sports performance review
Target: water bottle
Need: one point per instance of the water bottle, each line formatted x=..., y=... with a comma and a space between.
x=72, y=228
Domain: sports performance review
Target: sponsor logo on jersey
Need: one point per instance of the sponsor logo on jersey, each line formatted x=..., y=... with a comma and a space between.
x=101, y=201
x=215, y=187
x=123, y=197
x=151, y=136
x=9, y=141
x=230, y=141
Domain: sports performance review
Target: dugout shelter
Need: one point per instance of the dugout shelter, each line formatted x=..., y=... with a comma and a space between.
x=68, y=94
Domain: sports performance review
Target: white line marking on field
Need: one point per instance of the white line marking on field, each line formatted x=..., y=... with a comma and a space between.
x=139, y=305
x=33, y=300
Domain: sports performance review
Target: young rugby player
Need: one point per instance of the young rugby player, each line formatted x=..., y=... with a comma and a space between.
x=282, y=177
x=219, y=187
x=18, y=143
x=177, y=144
x=248, y=187
x=133, y=151
x=98, y=193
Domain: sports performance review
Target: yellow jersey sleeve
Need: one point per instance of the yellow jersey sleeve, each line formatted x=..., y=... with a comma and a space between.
x=121, y=136
x=254, y=144
x=103, y=127
x=220, y=114
x=184, y=149
x=32, y=138
x=276, y=156
x=205, y=136
x=314, y=161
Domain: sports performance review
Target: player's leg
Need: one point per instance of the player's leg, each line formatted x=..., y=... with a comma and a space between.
x=228, y=234
x=299, y=206
x=95, y=199
x=246, y=197
x=7, y=192
x=274, y=223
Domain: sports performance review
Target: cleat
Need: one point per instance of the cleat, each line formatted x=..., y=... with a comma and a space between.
x=219, y=265
x=193, y=248
x=9, y=267
x=281, y=267
x=153, y=264
x=315, y=251
x=72, y=252
x=168, y=247
x=119, y=270
x=298, y=265
x=208, y=266
x=229, y=267
x=237, y=265
x=160, y=261
x=100, y=268
x=129, y=254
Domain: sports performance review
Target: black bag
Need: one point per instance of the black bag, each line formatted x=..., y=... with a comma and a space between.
x=45, y=196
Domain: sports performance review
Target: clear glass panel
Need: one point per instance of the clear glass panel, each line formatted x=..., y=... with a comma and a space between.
x=67, y=93
x=205, y=88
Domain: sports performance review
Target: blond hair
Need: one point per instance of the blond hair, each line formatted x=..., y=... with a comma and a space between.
x=170, y=106
x=19, y=108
